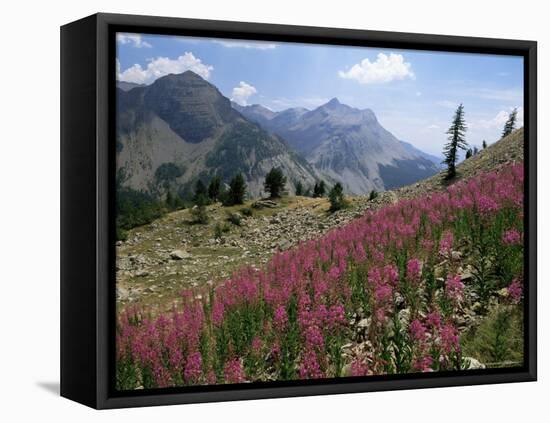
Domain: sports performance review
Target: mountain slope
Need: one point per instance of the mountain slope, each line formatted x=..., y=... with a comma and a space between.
x=181, y=128
x=348, y=145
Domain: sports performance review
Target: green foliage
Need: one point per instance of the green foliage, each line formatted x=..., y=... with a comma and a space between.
x=336, y=197
x=237, y=191
x=510, y=124
x=247, y=211
x=469, y=153
x=214, y=188
x=198, y=212
x=498, y=340
x=234, y=218
x=135, y=208
x=299, y=188
x=457, y=140
x=319, y=189
x=168, y=172
x=200, y=192
x=174, y=201
x=275, y=182
x=484, y=144
x=220, y=229
x=372, y=195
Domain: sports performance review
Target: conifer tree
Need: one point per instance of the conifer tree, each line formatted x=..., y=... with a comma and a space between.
x=336, y=197
x=457, y=140
x=214, y=188
x=510, y=124
x=469, y=153
x=319, y=189
x=200, y=191
x=237, y=190
x=299, y=188
x=484, y=144
x=275, y=182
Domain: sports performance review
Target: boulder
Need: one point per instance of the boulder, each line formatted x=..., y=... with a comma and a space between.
x=179, y=255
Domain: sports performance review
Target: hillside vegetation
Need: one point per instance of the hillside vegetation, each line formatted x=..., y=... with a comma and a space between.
x=424, y=278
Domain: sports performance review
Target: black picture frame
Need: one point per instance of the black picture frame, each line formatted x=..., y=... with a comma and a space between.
x=87, y=208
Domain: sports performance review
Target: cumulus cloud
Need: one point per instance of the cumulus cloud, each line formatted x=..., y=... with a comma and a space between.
x=134, y=39
x=385, y=68
x=242, y=92
x=163, y=66
x=498, y=121
x=257, y=45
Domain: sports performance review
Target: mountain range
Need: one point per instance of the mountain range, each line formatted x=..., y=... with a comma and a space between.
x=347, y=144
x=181, y=128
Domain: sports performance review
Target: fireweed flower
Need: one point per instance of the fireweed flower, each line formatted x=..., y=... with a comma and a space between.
x=234, y=372
x=454, y=288
x=449, y=338
x=418, y=330
x=413, y=270
x=433, y=319
x=423, y=364
x=256, y=345
x=511, y=237
x=280, y=318
x=309, y=367
x=359, y=368
x=446, y=243
x=193, y=368
x=515, y=290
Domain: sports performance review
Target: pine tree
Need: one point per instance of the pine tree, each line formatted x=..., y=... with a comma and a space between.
x=214, y=188
x=275, y=182
x=336, y=197
x=469, y=153
x=237, y=190
x=476, y=150
x=510, y=124
x=200, y=191
x=299, y=188
x=484, y=144
x=319, y=189
x=456, y=140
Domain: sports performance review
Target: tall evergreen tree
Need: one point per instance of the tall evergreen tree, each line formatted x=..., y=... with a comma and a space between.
x=237, y=190
x=299, y=188
x=484, y=144
x=469, y=153
x=214, y=188
x=336, y=197
x=457, y=140
x=319, y=189
x=200, y=191
x=510, y=124
x=275, y=182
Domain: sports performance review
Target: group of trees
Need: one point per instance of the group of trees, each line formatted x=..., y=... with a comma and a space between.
x=457, y=139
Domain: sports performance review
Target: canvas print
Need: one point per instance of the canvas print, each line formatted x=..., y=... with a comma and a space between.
x=294, y=212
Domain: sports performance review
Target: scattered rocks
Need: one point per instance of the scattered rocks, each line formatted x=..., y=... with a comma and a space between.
x=179, y=255
x=260, y=204
x=471, y=363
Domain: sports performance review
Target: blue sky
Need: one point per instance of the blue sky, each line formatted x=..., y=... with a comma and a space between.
x=413, y=93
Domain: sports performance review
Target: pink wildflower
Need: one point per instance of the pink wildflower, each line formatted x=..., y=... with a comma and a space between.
x=193, y=368
x=280, y=318
x=511, y=237
x=418, y=330
x=423, y=364
x=515, y=290
x=234, y=372
x=454, y=288
x=359, y=368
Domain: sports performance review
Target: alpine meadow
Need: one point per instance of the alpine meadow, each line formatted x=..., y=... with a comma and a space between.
x=295, y=211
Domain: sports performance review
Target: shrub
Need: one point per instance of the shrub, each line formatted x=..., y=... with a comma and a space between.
x=336, y=197
x=247, y=211
x=373, y=194
x=299, y=188
x=319, y=189
x=220, y=229
x=234, y=218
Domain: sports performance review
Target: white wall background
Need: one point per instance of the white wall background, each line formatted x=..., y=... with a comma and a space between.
x=29, y=222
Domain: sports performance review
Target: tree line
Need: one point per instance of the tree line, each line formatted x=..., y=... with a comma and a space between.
x=457, y=139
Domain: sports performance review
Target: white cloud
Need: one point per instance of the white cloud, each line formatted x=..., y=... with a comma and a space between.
x=241, y=93
x=163, y=66
x=384, y=69
x=432, y=127
x=134, y=39
x=498, y=121
x=256, y=45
